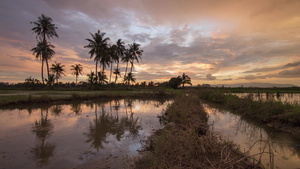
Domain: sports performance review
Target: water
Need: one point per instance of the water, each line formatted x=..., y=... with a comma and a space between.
x=108, y=133
x=276, y=149
x=283, y=97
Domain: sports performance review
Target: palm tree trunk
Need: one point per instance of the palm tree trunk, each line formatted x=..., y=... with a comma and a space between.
x=76, y=79
x=103, y=73
x=43, y=71
x=48, y=70
x=126, y=69
x=117, y=74
x=131, y=67
x=110, y=72
x=96, y=71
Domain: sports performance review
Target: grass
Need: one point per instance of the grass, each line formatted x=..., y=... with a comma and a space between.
x=264, y=111
x=187, y=142
x=36, y=97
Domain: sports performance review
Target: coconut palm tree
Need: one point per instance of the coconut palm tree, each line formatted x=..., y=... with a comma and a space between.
x=185, y=80
x=44, y=28
x=43, y=51
x=127, y=57
x=51, y=79
x=57, y=69
x=129, y=78
x=92, y=78
x=77, y=70
x=98, y=46
x=136, y=53
x=112, y=57
x=102, y=77
x=120, y=49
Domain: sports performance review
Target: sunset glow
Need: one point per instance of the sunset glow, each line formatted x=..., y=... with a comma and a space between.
x=214, y=42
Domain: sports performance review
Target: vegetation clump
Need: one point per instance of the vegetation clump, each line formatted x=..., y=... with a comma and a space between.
x=272, y=112
x=187, y=142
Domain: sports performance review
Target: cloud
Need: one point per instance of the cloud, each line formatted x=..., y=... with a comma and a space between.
x=224, y=38
x=210, y=77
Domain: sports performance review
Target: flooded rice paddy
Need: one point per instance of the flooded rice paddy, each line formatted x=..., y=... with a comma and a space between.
x=275, y=149
x=283, y=97
x=109, y=133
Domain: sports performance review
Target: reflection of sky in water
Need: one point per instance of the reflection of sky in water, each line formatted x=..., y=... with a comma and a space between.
x=284, y=97
x=25, y=138
x=286, y=148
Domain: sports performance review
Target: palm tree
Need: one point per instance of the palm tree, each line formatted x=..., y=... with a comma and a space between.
x=127, y=57
x=120, y=49
x=58, y=70
x=92, y=78
x=185, y=80
x=117, y=73
x=129, y=78
x=44, y=28
x=43, y=52
x=136, y=53
x=102, y=77
x=98, y=46
x=77, y=70
x=112, y=57
x=51, y=79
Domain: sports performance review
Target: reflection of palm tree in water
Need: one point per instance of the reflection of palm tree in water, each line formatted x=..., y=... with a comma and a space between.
x=128, y=121
x=106, y=123
x=76, y=108
x=99, y=129
x=43, y=149
x=56, y=110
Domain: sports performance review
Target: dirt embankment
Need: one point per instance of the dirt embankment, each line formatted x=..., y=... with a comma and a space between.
x=187, y=142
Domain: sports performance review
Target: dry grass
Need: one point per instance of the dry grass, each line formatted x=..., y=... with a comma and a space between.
x=186, y=142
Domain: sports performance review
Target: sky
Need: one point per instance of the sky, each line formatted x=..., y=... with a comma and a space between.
x=212, y=41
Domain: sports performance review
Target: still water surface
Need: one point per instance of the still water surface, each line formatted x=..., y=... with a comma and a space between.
x=276, y=149
x=69, y=135
x=283, y=97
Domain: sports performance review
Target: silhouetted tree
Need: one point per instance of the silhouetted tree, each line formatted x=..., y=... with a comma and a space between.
x=92, y=78
x=127, y=57
x=185, y=80
x=175, y=82
x=43, y=51
x=77, y=70
x=129, y=78
x=112, y=55
x=58, y=70
x=136, y=54
x=44, y=28
x=98, y=46
x=120, y=49
x=102, y=77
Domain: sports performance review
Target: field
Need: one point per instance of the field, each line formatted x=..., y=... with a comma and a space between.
x=186, y=140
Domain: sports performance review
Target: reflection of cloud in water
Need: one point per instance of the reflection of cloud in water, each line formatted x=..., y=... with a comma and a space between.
x=257, y=139
x=64, y=144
